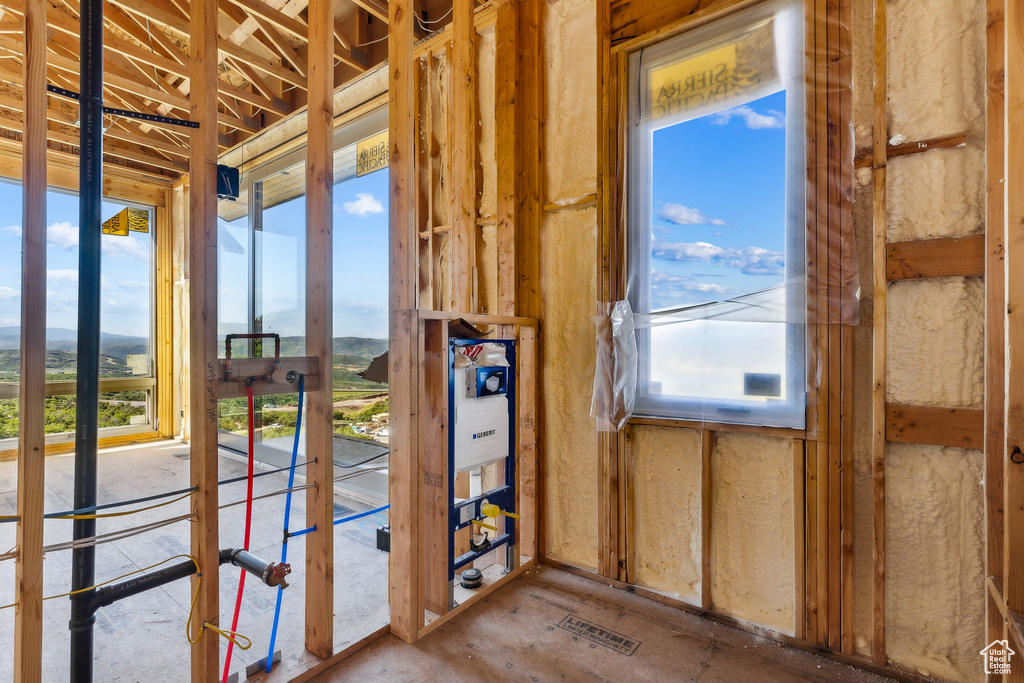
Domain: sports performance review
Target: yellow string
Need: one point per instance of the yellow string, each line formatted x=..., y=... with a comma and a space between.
x=118, y=578
x=234, y=636
x=122, y=514
x=243, y=642
x=105, y=583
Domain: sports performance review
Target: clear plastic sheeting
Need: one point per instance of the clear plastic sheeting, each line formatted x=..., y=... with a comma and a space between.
x=615, y=372
x=735, y=240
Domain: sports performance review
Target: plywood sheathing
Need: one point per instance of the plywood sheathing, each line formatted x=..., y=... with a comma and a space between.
x=936, y=609
x=569, y=283
x=752, y=529
x=667, y=491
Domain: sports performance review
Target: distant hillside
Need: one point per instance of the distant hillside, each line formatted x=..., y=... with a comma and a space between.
x=350, y=348
x=62, y=339
x=360, y=346
x=60, y=363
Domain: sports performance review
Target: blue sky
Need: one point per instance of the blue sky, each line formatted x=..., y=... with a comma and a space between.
x=360, y=263
x=126, y=270
x=718, y=204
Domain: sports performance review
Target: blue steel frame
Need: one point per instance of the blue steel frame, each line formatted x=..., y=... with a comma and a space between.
x=504, y=496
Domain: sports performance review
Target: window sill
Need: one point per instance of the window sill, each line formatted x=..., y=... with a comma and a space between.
x=781, y=432
x=110, y=437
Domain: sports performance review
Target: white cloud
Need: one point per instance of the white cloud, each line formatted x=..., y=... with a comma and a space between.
x=673, y=290
x=753, y=119
x=684, y=215
x=364, y=204
x=65, y=236
x=9, y=293
x=62, y=235
x=758, y=261
x=12, y=230
x=65, y=275
x=749, y=260
x=121, y=246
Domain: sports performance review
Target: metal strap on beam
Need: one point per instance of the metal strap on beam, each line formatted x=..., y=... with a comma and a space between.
x=113, y=111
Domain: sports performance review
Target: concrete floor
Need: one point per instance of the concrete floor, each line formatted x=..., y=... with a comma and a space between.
x=549, y=625
x=143, y=637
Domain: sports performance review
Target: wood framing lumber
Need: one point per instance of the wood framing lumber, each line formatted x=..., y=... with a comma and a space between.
x=879, y=341
x=405, y=586
x=1013, y=473
x=506, y=109
x=378, y=8
x=865, y=156
x=433, y=466
x=995, y=334
x=528, y=503
x=707, y=450
x=320, y=330
x=28, y=616
x=955, y=427
x=290, y=25
x=203, y=407
x=463, y=132
x=945, y=257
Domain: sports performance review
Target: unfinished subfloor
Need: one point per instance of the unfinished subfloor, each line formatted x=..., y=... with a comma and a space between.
x=550, y=625
x=143, y=637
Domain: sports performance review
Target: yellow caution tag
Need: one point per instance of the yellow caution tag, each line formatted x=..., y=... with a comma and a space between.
x=136, y=220
x=118, y=225
x=372, y=154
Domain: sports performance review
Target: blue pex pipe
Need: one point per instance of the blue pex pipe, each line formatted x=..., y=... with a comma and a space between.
x=287, y=517
x=342, y=520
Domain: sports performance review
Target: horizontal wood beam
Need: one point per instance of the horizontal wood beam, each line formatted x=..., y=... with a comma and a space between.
x=863, y=156
x=946, y=257
x=378, y=9
x=109, y=151
x=16, y=104
x=954, y=427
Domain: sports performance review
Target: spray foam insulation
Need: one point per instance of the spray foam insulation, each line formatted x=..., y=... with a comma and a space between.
x=936, y=62
x=568, y=292
x=940, y=193
x=569, y=282
x=935, y=610
x=668, y=511
x=936, y=342
x=752, y=530
x=570, y=53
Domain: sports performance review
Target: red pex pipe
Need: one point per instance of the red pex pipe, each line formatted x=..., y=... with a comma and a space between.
x=248, y=527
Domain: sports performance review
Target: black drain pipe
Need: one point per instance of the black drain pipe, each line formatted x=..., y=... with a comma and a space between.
x=90, y=197
x=269, y=573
